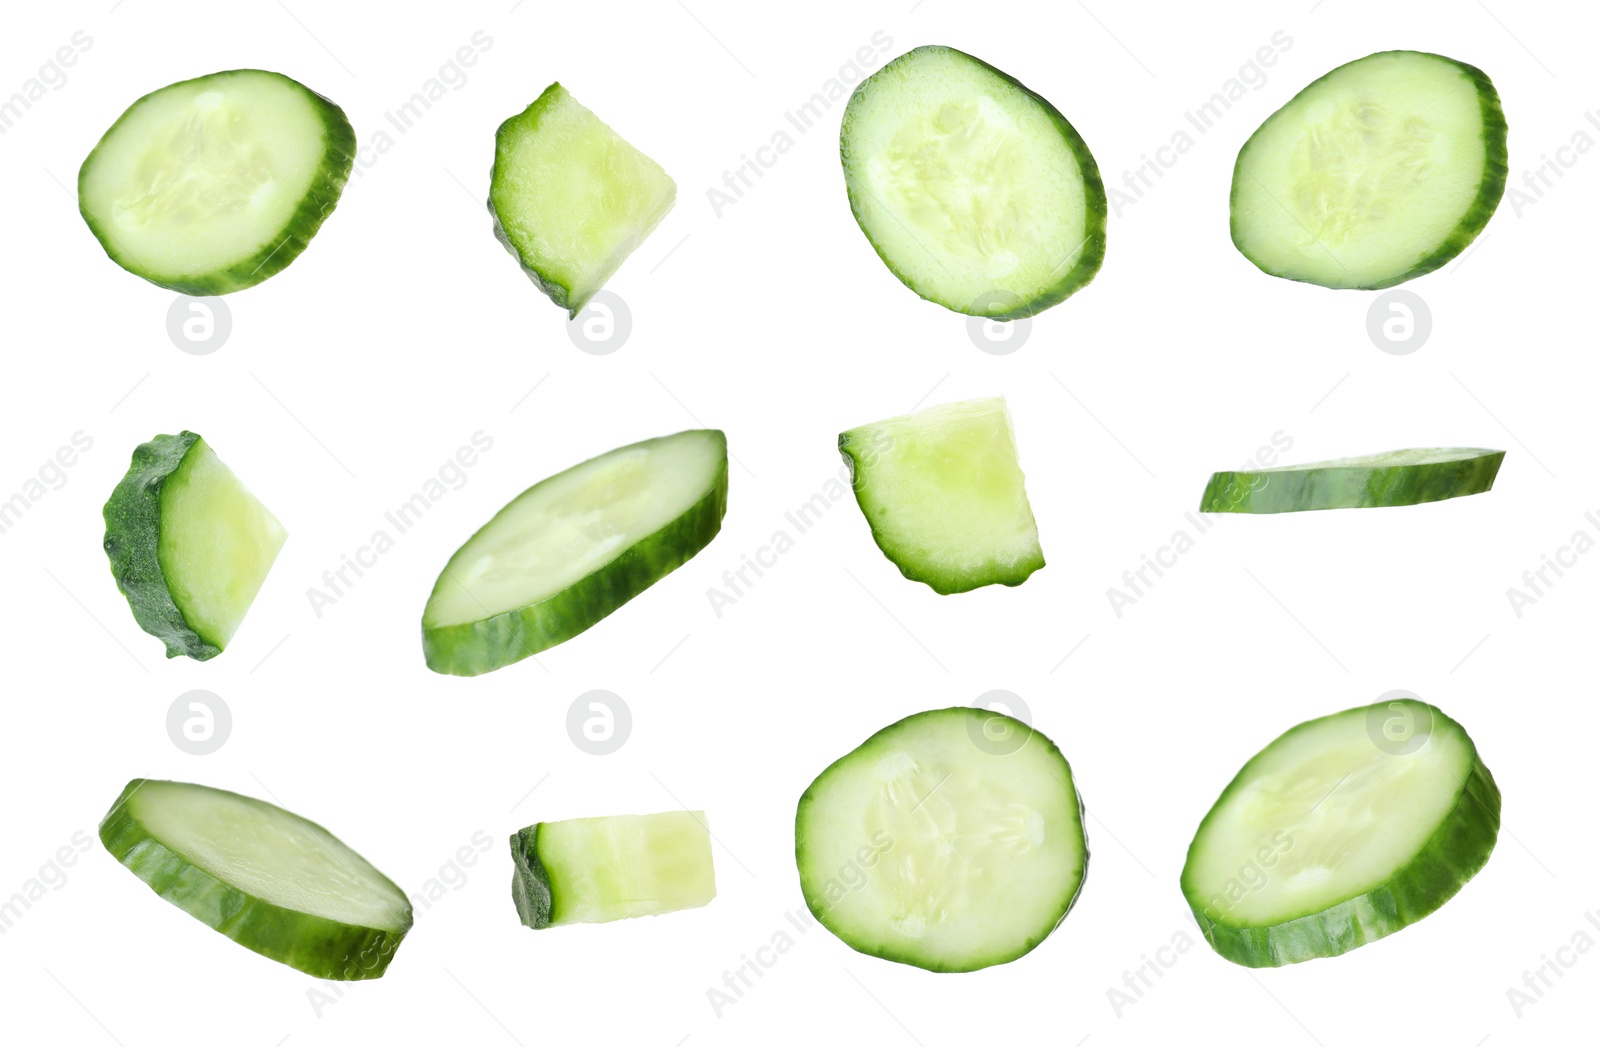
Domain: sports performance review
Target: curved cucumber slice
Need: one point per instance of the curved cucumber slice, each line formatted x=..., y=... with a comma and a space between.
x=189, y=545
x=951, y=840
x=974, y=191
x=270, y=880
x=573, y=548
x=594, y=870
x=214, y=184
x=1381, y=171
x=1343, y=830
x=1410, y=477
x=571, y=199
x=943, y=493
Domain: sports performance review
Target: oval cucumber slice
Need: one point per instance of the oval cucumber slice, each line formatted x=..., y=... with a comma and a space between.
x=211, y=185
x=270, y=880
x=1343, y=830
x=975, y=191
x=951, y=840
x=573, y=548
x=1379, y=172
x=1409, y=477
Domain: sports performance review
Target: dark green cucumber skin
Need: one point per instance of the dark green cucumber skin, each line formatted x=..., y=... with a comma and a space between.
x=559, y=293
x=339, y=150
x=474, y=648
x=133, y=543
x=819, y=908
x=1351, y=487
x=530, y=886
x=1456, y=851
x=1490, y=189
x=1091, y=253
x=317, y=946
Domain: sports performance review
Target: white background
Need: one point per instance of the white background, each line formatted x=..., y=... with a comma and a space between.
x=350, y=377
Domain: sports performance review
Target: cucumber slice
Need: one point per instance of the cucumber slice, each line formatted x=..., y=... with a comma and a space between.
x=1409, y=477
x=571, y=199
x=951, y=840
x=573, y=548
x=213, y=184
x=974, y=190
x=270, y=880
x=1381, y=171
x=943, y=494
x=189, y=545
x=1343, y=830
x=594, y=870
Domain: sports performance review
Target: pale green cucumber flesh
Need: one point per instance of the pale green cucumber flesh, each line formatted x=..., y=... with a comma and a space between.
x=951, y=840
x=573, y=548
x=211, y=185
x=1343, y=830
x=943, y=493
x=268, y=879
x=594, y=870
x=571, y=199
x=1381, y=171
x=1395, y=478
x=975, y=191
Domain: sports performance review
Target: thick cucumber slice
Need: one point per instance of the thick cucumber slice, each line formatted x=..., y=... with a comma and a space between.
x=573, y=548
x=594, y=870
x=189, y=545
x=1409, y=477
x=1343, y=830
x=270, y=880
x=943, y=493
x=1381, y=171
x=951, y=840
x=571, y=199
x=974, y=191
x=214, y=184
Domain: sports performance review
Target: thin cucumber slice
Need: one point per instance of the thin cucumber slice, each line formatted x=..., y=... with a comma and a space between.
x=594, y=870
x=951, y=840
x=1409, y=477
x=944, y=496
x=270, y=880
x=573, y=548
x=189, y=545
x=213, y=184
x=974, y=190
x=1381, y=171
x=1343, y=830
x=571, y=199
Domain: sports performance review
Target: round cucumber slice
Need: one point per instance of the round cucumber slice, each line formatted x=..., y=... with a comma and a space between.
x=270, y=880
x=951, y=840
x=1343, y=830
x=211, y=185
x=1409, y=477
x=975, y=191
x=1381, y=171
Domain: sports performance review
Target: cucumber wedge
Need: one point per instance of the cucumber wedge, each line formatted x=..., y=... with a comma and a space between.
x=951, y=840
x=594, y=870
x=573, y=548
x=571, y=199
x=1381, y=171
x=1343, y=830
x=189, y=545
x=213, y=184
x=943, y=494
x=974, y=190
x=1409, y=477
x=270, y=880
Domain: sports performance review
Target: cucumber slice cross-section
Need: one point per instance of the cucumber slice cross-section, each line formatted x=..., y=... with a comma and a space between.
x=1409, y=477
x=594, y=870
x=1345, y=829
x=573, y=548
x=270, y=880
